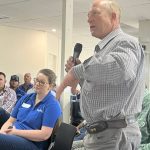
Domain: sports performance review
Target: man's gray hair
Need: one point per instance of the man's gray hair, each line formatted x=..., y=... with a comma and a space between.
x=112, y=6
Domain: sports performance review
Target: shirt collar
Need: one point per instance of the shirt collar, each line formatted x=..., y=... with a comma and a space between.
x=46, y=97
x=109, y=37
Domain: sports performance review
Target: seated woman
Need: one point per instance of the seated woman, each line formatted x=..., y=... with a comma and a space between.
x=33, y=118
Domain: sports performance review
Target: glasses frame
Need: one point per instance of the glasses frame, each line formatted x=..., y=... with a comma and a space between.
x=41, y=83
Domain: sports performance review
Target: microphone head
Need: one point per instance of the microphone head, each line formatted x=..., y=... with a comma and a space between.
x=77, y=50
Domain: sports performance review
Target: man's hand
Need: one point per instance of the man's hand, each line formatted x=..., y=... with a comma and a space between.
x=69, y=80
x=70, y=63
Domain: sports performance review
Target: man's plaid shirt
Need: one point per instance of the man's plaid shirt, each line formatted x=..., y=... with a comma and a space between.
x=7, y=99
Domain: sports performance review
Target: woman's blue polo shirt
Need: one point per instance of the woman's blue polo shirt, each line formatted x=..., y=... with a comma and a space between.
x=32, y=117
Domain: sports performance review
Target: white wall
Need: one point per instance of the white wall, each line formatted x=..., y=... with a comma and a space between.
x=23, y=50
x=88, y=42
x=53, y=53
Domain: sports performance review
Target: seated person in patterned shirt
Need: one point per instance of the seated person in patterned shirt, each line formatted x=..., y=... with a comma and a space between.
x=33, y=117
x=7, y=99
x=14, y=84
x=144, y=122
x=27, y=83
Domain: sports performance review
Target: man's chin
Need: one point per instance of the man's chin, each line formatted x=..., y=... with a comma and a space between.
x=94, y=35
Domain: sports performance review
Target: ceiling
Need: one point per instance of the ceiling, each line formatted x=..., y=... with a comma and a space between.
x=45, y=15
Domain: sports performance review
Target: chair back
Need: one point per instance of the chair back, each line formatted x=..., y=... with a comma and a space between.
x=53, y=135
x=64, y=137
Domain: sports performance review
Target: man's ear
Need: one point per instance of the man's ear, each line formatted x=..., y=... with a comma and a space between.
x=114, y=16
x=114, y=19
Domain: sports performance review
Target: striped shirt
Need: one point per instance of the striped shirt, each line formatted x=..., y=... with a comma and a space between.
x=113, y=77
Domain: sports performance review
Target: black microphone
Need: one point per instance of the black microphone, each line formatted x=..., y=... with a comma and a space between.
x=77, y=51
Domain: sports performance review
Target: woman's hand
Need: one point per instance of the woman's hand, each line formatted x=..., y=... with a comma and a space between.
x=2, y=132
x=10, y=131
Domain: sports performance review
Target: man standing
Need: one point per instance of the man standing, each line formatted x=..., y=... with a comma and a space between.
x=7, y=98
x=14, y=84
x=27, y=83
x=113, y=82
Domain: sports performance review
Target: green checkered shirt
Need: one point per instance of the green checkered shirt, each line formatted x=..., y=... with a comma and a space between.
x=144, y=122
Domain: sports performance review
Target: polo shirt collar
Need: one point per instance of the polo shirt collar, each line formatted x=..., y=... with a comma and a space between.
x=45, y=98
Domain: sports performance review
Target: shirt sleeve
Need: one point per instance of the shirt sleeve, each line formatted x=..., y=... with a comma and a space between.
x=117, y=66
x=51, y=114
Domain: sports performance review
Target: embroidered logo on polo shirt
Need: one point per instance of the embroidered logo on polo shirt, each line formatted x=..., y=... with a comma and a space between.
x=40, y=110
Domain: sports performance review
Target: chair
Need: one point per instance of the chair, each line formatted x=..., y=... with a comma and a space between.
x=53, y=135
x=75, y=113
x=64, y=137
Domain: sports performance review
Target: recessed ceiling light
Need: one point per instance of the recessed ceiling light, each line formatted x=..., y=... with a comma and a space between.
x=53, y=30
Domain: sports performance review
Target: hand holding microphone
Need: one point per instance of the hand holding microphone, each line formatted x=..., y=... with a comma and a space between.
x=69, y=79
x=73, y=60
x=77, y=51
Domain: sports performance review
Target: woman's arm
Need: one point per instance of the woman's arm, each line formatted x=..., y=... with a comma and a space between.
x=33, y=135
x=8, y=123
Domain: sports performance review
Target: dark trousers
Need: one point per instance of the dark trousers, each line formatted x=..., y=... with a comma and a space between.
x=4, y=115
x=12, y=142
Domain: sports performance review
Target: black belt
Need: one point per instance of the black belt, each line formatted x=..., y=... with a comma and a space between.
x=103, y=125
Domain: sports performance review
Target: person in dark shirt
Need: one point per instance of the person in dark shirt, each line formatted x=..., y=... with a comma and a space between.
x=14, y=84
x=27, y=83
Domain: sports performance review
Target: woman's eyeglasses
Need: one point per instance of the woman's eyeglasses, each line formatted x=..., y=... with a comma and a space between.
x=41, y=83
